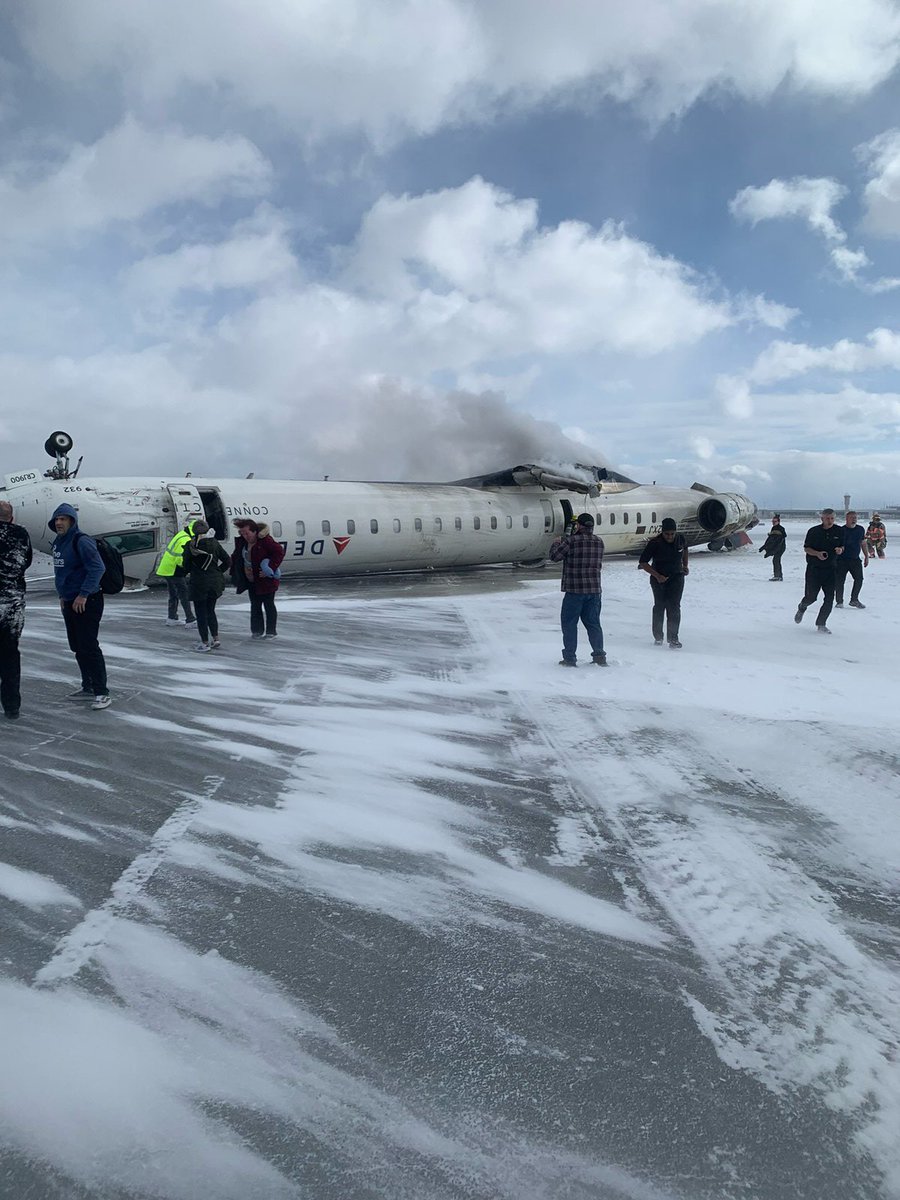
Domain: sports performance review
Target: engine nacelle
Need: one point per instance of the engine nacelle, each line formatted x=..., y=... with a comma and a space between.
x=725, y=513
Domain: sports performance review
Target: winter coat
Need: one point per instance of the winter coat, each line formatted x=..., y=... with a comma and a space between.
x=15, y=559
x=265, y=547
x=205, y=564
x=77, y=565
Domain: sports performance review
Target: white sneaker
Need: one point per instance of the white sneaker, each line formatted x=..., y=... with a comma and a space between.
x=202, y=648
x=215, y=644
x=192, y=624
x=102, y=701
x=172, y=621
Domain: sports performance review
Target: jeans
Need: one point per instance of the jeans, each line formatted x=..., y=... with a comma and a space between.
x=854, y=568
x=667, y=602
x=178, y=590
x=257, y=604
x=82, y=630
x=10, y=662
x=586, y=608
x=818, y=579
x=207, y=621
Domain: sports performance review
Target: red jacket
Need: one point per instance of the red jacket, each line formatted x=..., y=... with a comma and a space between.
x=265, y=547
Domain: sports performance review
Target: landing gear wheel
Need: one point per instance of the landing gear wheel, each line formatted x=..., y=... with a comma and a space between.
x=58, y=443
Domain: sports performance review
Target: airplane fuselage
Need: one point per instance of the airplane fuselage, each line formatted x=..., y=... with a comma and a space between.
x=342, y=528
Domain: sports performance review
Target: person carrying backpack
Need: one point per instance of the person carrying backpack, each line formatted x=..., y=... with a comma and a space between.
x=78, y=570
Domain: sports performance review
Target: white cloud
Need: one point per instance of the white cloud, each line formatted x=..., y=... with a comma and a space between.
x=812, y=201
x=129, y=172
x=256, y=255
x=414, y=65
x=882, y=193
x=787, y=360
x=703, y=447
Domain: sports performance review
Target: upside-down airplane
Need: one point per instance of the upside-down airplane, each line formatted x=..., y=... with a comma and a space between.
x=342, y=528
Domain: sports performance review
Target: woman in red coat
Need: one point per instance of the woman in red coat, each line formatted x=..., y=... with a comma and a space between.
x=255, y=568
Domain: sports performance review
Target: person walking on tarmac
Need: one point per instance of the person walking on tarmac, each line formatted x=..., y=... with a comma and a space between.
x=205, y=563
x=15, y=559
x=849, y=563
x=823, y=544
x=255, y=568
x=876, y=537
x=773, y=547
x=581, y=554
x=665, y=559
x=171, y=568
x=78, y=569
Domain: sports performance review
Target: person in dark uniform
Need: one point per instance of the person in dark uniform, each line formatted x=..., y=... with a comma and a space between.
x=850, y=564
x=15, y=559
x=665, y=559
x=823, y=545
x=773, y=547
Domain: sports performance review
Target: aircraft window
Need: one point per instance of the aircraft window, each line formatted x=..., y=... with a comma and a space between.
x=373, y=525
x=525, y=520
x=625, y=518
x=599, y=518
x=396, y=525
x=135, y=541
x=637, y=517
x=476, y=522
x=509, y=522
x=301, y=529
x=418, y=524
x=326, y=527
x=653, y=518
x=493, y=522
x=276, y=529
x=351, y=526
x=457, y=522
x=612, y=518
x=438, y=524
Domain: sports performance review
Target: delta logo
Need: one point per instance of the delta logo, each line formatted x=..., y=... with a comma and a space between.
x=341, y=544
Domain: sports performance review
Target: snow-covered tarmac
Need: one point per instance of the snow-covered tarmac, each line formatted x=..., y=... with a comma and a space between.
x=396, y=907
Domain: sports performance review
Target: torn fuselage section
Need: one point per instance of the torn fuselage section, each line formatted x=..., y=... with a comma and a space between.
x=567, y=477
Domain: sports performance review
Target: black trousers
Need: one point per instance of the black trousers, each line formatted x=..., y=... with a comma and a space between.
x=178, y=590
x=10, y=662
x=819, y=579
x=207, y=621
x=854, y=568
x=257, y=605
x=667, y=602
x=776, y=565
x=83, y=630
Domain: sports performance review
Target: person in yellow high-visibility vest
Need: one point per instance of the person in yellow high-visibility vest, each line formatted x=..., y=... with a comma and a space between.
x=171, y=568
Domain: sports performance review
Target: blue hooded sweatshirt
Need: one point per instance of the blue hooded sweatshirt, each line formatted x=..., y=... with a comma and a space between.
x=79, y=568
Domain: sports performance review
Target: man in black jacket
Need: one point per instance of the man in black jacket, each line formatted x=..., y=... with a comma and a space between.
x=774, y=547
x=15, y=559
x=823, y=545
x=665, y=559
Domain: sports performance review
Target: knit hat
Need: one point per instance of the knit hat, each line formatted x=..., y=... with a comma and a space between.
x=585, y=519
x=668, y=523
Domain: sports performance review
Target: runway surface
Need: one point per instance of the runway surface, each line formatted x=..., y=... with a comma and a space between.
x=393, y=906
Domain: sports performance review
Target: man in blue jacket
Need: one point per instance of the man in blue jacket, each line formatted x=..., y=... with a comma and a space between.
x=78, y=569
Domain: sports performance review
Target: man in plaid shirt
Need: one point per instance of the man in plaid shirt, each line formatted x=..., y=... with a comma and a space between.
x=581, y=555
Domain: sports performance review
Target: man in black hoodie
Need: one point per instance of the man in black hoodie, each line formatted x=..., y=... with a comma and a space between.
x=15, y=559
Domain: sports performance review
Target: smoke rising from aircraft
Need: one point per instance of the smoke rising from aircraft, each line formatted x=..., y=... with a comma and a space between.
x=395, y=433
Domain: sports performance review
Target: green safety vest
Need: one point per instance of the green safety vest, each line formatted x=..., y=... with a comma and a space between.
x=173, y=555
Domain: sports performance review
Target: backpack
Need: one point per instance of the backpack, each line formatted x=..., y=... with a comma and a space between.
x=113, y=578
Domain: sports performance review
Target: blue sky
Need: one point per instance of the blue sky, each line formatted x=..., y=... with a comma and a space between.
x=399, y=239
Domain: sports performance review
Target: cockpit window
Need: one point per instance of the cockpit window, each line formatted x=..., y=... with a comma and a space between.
x=133, y=541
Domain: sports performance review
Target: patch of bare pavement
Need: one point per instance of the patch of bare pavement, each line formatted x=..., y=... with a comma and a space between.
x=336, y=916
